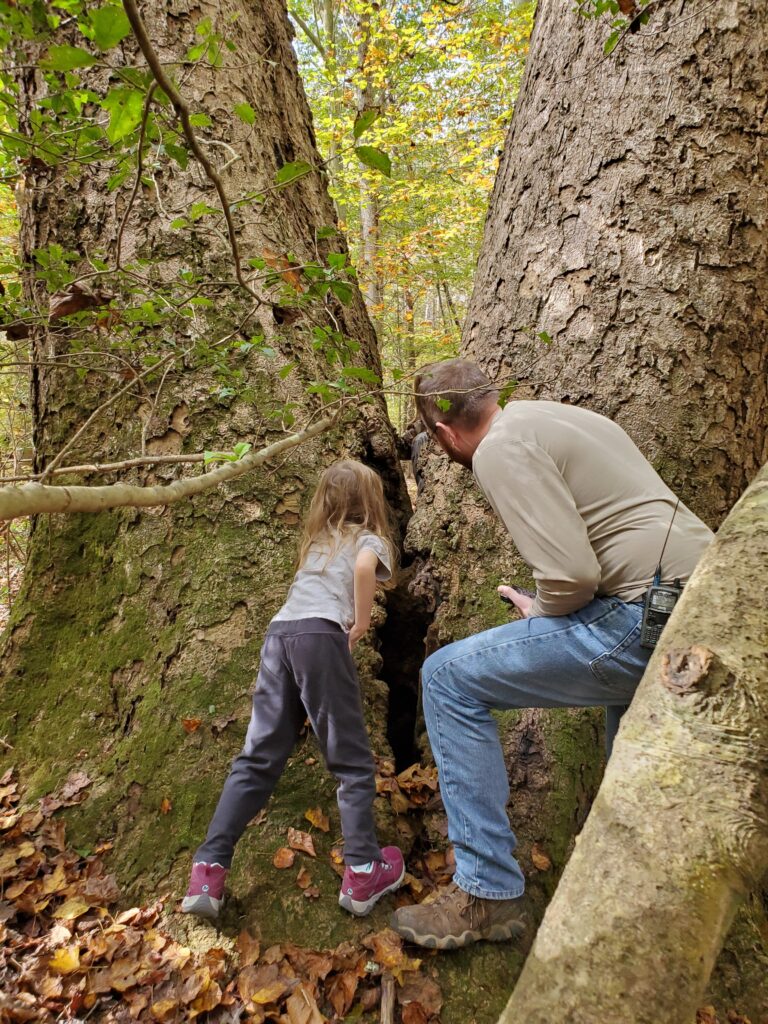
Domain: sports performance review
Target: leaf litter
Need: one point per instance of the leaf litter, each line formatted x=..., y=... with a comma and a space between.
x=66, y=952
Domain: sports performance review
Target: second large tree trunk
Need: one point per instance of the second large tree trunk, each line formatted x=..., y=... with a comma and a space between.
x=627, y=225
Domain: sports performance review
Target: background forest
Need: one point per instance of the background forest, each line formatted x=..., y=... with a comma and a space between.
x=230, y=233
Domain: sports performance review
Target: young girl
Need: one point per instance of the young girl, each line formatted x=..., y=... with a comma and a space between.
x=307, y=671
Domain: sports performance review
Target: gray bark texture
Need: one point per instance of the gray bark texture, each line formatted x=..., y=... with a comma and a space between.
x=628, y=222
x=678, y=834
x=131, y=621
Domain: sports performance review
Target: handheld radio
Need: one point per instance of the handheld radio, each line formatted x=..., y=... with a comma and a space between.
x=660, y=600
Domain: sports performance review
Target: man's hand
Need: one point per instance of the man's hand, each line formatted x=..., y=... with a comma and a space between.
x=520, y=601
x=356, y=633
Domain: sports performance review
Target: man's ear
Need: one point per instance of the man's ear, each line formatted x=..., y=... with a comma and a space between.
x=444, y=432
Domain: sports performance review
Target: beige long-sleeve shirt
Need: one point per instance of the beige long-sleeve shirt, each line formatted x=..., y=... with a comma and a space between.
x=585, y=509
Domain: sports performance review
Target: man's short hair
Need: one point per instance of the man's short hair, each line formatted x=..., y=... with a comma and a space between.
x=455, y=390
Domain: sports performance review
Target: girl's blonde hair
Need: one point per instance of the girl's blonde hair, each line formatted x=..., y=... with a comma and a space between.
x=349, y=497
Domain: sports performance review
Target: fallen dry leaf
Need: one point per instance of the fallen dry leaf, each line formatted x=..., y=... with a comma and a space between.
x=65, y=960
x=191, y=724
x=387, y=948
x=312, y=893
x=341, y=992
x=317, y=818
x=540, y=859
x=302, y=841
x=248, y=948
x=303, y=879
x=165, y=806
x=283, y=857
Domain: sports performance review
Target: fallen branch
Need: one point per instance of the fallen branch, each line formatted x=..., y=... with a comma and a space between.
x=34, y=498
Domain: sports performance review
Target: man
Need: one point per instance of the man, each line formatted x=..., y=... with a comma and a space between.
x=591, y=517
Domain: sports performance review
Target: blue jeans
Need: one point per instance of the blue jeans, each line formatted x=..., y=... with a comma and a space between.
x=590, y=657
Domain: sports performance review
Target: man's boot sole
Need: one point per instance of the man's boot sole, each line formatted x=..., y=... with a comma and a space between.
x=498, y=933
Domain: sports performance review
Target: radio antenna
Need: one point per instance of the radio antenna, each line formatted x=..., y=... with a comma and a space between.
x=657, y=574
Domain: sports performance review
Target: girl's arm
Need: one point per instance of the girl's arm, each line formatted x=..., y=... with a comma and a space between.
x=365, y=591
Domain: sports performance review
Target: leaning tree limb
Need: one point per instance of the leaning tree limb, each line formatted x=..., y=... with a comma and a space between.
x=678, y=833
x=34, y=498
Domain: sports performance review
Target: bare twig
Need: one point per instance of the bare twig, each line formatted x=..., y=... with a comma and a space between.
x=183, y=113
x=387, y=998
x=139, y=169
x=110, y=467
x=34, y=498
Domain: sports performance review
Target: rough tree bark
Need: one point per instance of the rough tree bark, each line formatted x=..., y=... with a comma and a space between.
x=678, y=834
x=130, y=621
x=628, y=223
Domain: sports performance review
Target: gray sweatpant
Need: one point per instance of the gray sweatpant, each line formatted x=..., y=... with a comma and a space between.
x=306, y=671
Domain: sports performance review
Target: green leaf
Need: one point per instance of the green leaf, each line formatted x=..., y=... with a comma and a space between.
x=543, y=336
x=293, y=170
x=361, y=373
x=337, y=260
x=241, y=448
x=364, y=122
x=110, y=26
x=327, y=231
x=177, y=153
x=67, y=58
x=374, y=158
x=610, y=43
x=124, y=107
x=443, y=404
x=200, y=120
x=246, y=113
x=342, y=291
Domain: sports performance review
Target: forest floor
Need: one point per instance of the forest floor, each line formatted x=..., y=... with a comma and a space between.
x=66, y=952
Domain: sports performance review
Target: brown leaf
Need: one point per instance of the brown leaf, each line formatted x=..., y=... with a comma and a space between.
x=341, y=992
x=302, y=841
x=706, y=1015
x=191, y=724
x=165, y=806
x=101, y=890
x=71, y=793
x=303, y=879
x=248, y=948
x=163, y=1008
x=540, y=858
x=312, y=893
x=218, y=725
x=418, y=989
x=317, y=818
x=302, y=1008
x=387, y=948
x=414, y=1013
x=370, y=998
x=283, y=857
x=208, y=1000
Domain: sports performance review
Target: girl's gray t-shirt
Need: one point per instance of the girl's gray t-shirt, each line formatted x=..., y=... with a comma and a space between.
x=324, y=586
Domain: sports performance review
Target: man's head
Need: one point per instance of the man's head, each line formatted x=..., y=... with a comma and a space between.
x=456, y=402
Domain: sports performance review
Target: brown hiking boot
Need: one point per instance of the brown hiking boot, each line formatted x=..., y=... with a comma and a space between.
x=454, y=918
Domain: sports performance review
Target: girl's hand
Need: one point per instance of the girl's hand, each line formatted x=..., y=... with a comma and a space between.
x=356, y=633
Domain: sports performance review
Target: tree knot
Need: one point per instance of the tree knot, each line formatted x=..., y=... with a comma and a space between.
x=683, y=671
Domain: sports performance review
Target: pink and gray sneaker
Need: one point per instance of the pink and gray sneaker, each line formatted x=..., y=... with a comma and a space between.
x=361, y=890
x=206, y=891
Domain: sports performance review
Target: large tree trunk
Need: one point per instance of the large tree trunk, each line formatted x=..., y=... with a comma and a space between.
x=132, y=621
x=679, y=831
x=627, y=224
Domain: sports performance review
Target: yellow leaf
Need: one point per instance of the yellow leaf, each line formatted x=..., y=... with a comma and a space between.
x=65, y=960
x=316, y=817
x=73, y=908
